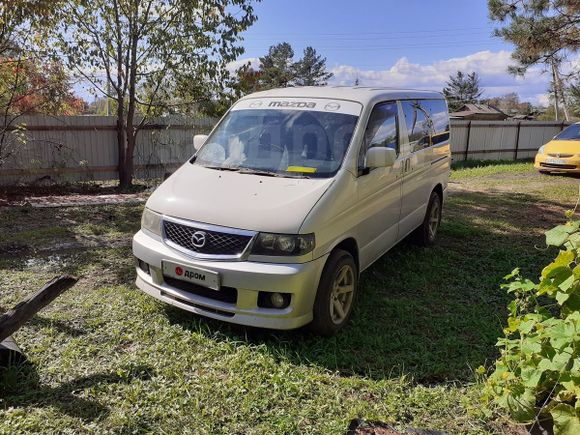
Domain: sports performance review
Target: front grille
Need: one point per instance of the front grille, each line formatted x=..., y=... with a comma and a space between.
x=216, y=243
x=224, y=294
x=554, y=166
x=561, y=156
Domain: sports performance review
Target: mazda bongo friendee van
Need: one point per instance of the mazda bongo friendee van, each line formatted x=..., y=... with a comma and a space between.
x=294, y=193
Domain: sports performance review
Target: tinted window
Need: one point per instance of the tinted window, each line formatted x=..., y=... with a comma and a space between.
x=570, y=133
x=427, y=122
x=381, y=129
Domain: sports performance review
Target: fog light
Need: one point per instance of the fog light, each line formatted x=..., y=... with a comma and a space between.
x=143, y=266
x=274, y=300
x=277, y=300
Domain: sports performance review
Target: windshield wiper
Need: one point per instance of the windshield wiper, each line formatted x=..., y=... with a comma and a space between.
x=260, y=172
x=223, y=168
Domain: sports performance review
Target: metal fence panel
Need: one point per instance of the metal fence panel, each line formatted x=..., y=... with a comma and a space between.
x=84, y=148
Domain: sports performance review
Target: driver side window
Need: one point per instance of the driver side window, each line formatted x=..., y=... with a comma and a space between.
x=381, y=131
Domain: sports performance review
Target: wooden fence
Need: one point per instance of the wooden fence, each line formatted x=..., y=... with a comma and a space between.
x=84, y=148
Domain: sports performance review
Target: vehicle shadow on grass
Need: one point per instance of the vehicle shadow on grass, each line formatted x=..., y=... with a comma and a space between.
x=20, y=386
x=431, y=313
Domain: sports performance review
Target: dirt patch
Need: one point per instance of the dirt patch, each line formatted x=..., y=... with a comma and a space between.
x=75, y=194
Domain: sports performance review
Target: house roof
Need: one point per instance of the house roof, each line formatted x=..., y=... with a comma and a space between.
x=479, y=109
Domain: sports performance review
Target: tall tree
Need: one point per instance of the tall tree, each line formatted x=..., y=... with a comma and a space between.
x=311, y=69
x=462, y=89
x=543, y=31
x=29, y=81
x=136, y=52
x=277, y=68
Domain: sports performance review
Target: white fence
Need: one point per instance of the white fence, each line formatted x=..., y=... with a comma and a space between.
x=84, y=148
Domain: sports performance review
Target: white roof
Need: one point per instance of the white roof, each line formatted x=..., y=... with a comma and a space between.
x=360, y=94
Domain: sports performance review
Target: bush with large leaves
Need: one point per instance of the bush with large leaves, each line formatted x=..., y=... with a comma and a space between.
x=537, y=376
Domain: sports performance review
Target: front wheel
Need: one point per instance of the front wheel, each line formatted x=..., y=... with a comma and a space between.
x=336, y=294
x=426, y=234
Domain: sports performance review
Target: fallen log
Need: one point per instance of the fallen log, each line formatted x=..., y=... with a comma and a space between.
x=11, y=321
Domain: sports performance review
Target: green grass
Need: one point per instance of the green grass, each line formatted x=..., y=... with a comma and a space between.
x=106, y=357
x=482, y=168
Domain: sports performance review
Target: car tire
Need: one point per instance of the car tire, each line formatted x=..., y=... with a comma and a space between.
x=336, y=294
x=426, y=234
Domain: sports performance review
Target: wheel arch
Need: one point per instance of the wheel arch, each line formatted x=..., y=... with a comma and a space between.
x=351, y=246
x=439, y=189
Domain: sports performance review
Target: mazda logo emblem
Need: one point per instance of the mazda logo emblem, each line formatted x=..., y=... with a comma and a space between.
x=198, y=239
x=332, y=107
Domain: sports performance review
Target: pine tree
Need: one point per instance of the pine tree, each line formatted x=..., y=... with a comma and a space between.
x=462, y=89
x=543, y=31
x=277, y=69
x=311, y=69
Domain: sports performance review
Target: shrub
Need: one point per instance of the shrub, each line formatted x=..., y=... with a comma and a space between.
x=537, y=376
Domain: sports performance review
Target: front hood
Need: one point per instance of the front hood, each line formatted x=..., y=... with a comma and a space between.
x=562, y=147
x=231, y=199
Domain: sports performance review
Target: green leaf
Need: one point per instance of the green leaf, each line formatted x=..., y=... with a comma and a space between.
x=558, y=235
x=574, y=240
x=513, y=307
x=566, y=420
x=521, y=405
x=561, y=334
x=531, y=376
x=531, y=346
x=527, y=325
x=562, y=297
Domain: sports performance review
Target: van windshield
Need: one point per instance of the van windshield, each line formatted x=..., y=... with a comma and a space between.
x=279, y=142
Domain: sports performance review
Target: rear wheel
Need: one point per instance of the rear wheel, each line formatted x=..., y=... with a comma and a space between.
x=426, y=234
x=336, y=294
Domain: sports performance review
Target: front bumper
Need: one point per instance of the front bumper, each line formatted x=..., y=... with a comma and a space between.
x=570, y=164
x=249, y=278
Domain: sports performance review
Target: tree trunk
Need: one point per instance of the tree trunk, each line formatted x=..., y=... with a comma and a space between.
x=131, y=139
x=124, y=181
x=130, y=132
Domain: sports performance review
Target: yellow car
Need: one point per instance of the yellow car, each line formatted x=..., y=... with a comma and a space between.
x=561, y=154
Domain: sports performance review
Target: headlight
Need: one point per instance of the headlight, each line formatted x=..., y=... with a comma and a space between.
x=151, y=221
x=541, y=150
x=283, y=244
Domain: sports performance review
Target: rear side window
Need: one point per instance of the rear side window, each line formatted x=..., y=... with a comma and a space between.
x=427, y=122
x=381, y=130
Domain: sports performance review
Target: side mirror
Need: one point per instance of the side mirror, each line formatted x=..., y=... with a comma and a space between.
x=199, y=140
x=380, y=157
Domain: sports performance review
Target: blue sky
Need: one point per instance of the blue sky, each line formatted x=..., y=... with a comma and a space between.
x=396, y=43
x=375, y=33
x=411, y=43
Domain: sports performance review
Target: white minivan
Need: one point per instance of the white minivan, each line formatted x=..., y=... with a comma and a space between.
x=294, y=193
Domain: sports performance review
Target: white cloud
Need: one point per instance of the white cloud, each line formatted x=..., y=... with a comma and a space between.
x=253, y=61
x=490, y=66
